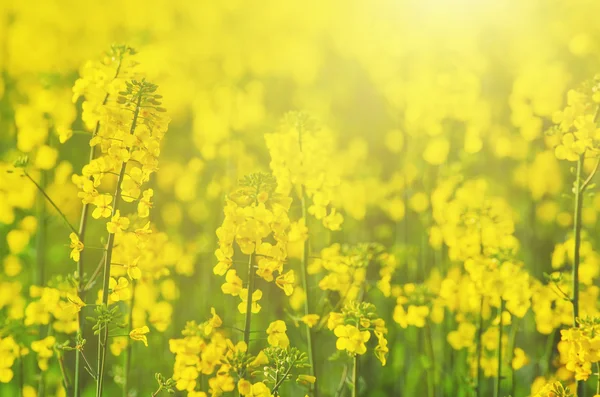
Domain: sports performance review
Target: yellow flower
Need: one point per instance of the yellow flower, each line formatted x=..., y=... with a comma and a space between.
x=133, y=271
x=333, y=221
x=381, y=350
x=260, y=359
x=119, y=289
x=335, y=319
x=286, y=282
x=259, y=390
x=276, y=334
x=117, y=223
x=214, y=322
x=351, y=339
x=256, y=296
x=306, y=379
x=74, y=304
x=103, y=206
x=46, y=157
x=520, y=359
x=76, y=247
x=310, y=319
x=44, y=350
x=437, y=151
x=244, y=387
x=233, y=284
x=145, y=203
x=140, y=334
x=17, y=240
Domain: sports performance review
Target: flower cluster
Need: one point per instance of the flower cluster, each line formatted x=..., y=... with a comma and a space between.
x=576, y=125
x=256, y=219
x=301, y=158
x=583, y=347
x=353, y=327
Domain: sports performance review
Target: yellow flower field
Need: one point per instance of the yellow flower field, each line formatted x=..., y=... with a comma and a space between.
x=300, y=198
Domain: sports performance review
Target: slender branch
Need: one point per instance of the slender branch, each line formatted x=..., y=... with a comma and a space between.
x=280, y=382
x=355, y=376
x=591, y=175
x=103, y=336
x=250, y=289
x=304, y=275
x=430, y=354
x=576, y=256
x=343, y=379
x=92, y=279
x=598, y=377
x=499, y=352
x=129, y=345
x=51, y=202
x=479, y=348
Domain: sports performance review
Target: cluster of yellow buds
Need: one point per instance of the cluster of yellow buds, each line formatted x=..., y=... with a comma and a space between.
x=583, y=347
x=472, y=222
x=576, y=126
x=353, y=327
x=345, y=268
x=302, y=158
x=256, y=219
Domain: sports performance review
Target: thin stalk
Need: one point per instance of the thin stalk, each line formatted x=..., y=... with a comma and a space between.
x=63, y=372
x=103, y=334
x=248, y=319
x=81, y=233
x=41, y=189
x=279, y=382
x=598, y=377
x=513, y=342
x=576, y=258
x=304, y=275
x=547, y=359
x=479, y=346
x=430, y=354
x=342, y=383
x=21, y=374
x=41, y=250
x=499, y=352
x=355, y=376
x=128, y=351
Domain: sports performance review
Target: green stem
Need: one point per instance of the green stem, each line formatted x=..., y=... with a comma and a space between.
x=21, y=374
x=103, y=334
x=81, y=233
x=513, y=342
x=576, y=254
x=41, y=189
x=355, y=376
x=598, y=377
x=278, y=383
x=63, y=373
x=430, y=354
x=304, y=275
x=129, y=345
x=479, y=346
x=342, y=383
x=499, y=352
x=248, y=318
x=41, y=250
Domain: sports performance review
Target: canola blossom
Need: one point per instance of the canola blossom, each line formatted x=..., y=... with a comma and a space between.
x=313, y=199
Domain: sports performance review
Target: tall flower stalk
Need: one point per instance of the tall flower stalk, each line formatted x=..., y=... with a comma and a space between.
x=138, y=94
x=304, y=275
x=116, y=56
x=301, y=161
x=499, y=351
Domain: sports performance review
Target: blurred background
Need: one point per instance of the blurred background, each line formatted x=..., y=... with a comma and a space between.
x=411, y=93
